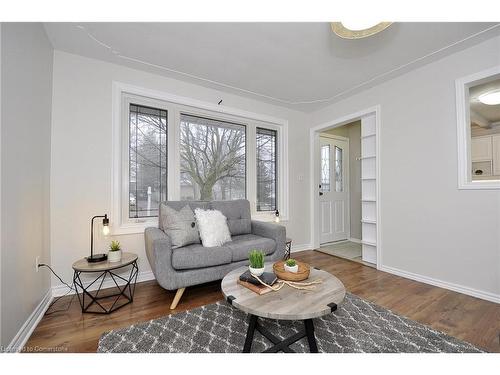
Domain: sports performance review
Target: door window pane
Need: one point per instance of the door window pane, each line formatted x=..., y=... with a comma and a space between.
x=213, y=159
x=325, y=168
x=147, y=160
x=266, y=170
x=339, y=178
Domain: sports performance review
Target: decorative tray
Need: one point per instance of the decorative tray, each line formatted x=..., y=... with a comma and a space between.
x=301, y=275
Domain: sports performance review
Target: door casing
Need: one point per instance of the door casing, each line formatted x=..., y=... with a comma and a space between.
x=314, y=133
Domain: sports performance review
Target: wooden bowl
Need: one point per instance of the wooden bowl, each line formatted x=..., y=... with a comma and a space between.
x=301, y=275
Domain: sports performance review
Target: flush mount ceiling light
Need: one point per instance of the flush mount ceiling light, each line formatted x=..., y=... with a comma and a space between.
x=358, y=29
x=490, y=98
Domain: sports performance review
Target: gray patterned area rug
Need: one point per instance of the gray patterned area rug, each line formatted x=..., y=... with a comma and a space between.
x=357, y=326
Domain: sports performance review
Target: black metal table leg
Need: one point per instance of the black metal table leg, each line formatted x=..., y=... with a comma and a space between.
x=278, y=344
x=129, y=287
x=311, y=339
x=252, y=323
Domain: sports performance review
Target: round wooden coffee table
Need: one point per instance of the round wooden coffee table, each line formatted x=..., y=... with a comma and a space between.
x=285, y=304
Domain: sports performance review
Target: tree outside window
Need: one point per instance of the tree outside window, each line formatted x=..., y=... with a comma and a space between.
x=213, y=159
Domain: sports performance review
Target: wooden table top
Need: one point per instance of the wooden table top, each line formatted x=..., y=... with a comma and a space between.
x=83, y=266
x=287, y=303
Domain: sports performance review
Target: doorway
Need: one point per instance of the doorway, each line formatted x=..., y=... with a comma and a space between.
x=345, y=187
x=334, y=188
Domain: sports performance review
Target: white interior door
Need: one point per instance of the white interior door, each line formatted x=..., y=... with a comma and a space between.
x=334, y=189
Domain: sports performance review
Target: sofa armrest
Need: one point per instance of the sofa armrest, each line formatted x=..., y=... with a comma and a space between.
x=159, y=253
x=273, y=231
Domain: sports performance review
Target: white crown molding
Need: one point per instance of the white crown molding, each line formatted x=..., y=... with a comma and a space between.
x=30, y=324
x=284, y=101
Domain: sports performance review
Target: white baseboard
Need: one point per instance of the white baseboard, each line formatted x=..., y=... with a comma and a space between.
x=61, y=289
x=355, y=240
x=443, y=284
x=30, y=324
x=296, y=248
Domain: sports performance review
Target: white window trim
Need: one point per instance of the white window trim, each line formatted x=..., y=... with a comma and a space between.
x=462, y=85
x=175, y=105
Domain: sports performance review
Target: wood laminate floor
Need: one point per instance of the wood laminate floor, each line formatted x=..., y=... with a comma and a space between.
x=467, y=318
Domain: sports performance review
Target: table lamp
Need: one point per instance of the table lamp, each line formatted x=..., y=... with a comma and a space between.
x=93, y=258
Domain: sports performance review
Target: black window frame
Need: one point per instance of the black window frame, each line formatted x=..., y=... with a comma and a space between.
x=162, y=198
x=275, y=133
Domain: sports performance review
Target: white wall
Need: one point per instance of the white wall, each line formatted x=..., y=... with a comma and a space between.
x=81, y=152
x=26, y=85
x=429, y=227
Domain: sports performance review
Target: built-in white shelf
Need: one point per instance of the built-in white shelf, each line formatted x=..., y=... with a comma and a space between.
x=368, y=167
x=368, y=189
x=368, y=136
x=369, y=211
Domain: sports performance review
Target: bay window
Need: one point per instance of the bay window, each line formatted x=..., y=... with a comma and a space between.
x=165, y=149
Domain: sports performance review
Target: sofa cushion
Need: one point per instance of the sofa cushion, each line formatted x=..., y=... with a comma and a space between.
x=213, y=227
x=180, y=226
x=238, y=215
x=241, y=245
x=178, y=205
x=197, y=256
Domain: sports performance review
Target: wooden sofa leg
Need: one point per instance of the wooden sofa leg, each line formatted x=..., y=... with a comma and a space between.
x=177, y=298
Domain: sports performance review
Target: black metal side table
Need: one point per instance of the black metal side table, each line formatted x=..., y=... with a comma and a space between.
x=288, y=248
x=105, y=303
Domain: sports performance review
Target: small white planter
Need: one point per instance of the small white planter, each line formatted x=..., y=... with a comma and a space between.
x=114, y=256
x=256, y=271
x=293, y=269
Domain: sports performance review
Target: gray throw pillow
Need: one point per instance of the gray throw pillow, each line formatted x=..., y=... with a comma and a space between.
x=180, y=226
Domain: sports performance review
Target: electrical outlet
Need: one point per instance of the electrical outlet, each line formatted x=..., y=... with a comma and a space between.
x=37, y=263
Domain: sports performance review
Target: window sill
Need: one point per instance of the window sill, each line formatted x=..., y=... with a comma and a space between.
x=480, y=185
x=268, y=218
x=133, y=228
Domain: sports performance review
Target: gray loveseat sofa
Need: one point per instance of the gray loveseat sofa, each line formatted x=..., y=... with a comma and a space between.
x=176, y=269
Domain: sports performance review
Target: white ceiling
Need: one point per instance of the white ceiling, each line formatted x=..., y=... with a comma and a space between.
x=303, y=66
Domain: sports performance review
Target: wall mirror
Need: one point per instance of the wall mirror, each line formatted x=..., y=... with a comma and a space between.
x=478, y=106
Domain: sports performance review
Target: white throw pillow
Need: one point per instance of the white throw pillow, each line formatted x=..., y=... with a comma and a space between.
x=213, y=228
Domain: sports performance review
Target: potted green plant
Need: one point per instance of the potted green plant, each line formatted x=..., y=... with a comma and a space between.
x=256, y=258
x=115, y=252
x=291, y=266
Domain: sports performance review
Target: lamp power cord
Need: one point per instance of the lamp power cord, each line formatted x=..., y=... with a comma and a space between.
x=70, y=289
